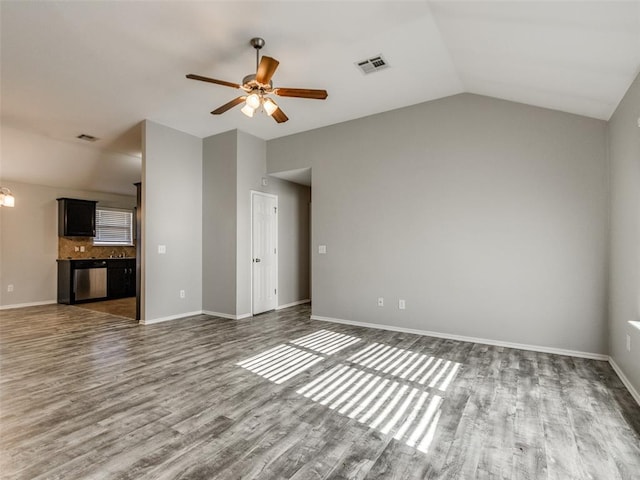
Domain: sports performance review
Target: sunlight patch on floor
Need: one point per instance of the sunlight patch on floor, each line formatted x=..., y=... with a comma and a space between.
x=281, y=363
x=326, y=342
x=405, y=364
x=389, y=389
x=388, y=406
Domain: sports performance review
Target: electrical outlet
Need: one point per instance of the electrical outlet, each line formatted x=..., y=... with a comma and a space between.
x=82, y=248
x=10, y=288
x=401, y=304
x=628, y=342
x=380, y=301
x=76, y=249
x=182, y=294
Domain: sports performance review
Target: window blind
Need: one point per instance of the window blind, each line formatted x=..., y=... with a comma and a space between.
x=113, y=227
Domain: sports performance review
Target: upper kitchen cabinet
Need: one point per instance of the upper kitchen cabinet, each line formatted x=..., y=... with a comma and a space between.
x=76, y=218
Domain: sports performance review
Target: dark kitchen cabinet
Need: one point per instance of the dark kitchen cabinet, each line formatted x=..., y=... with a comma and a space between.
x=121, y=278
x=138, y=246
x=76, y=218
x=82, y=280
x=85, y=280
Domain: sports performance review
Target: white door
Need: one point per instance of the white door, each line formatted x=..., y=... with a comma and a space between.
x=264, y=234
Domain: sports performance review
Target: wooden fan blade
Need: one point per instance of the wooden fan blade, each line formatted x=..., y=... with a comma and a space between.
x=279, y=116
x=266, y=69
x=229, y=105
x=212, y=80
x=301, y=93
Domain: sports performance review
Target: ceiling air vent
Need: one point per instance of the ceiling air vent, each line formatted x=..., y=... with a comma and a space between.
x=87, y=138
x=372, y=64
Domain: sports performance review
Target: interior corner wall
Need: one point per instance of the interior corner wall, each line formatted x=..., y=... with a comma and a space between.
x=219, y=220
x=624, y=158
x=294, y=240
x=234, y=164
x=172, y=206
x=29, y=240
x=293, y=226
x=488, y=217
x=252, y=166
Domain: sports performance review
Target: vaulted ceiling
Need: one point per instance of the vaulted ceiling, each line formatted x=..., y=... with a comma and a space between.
x=101, y=67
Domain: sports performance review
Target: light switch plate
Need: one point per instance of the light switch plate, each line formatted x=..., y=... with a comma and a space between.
x=322, y=249
x=162, y=249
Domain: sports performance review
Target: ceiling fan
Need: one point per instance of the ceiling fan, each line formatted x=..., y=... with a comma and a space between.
x=259, y=86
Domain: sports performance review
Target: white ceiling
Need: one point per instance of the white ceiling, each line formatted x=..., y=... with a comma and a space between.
x=101, y=67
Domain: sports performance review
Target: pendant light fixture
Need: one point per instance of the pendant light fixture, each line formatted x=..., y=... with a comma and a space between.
x=247, y=110
x=255, y=101
x=6, y=198
x=269, y=106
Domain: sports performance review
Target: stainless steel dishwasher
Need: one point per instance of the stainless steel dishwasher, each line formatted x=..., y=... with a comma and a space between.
x=90, y=279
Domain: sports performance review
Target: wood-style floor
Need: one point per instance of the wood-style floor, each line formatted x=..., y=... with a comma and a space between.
x=120, y=307
x=86, y=395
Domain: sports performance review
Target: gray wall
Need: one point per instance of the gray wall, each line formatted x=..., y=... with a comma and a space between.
x=29, y=240
x=234, y=165
x=219, y=220
x=293, y=226
x=172, y=206
x=202, y=231
x=624, y=157
x=294, y=232
x=488, y=217
x=252, y=166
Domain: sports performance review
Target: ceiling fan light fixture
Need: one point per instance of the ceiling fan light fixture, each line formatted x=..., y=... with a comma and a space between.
x=253, y=100
x=269, y=106
x=257, y=86
x=247, y=110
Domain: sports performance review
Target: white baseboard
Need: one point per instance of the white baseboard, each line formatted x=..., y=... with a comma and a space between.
x=29, y=304
x=485, y=341
x=150, y=321
x=293, y=304
x=634, y=393
x=227, y=315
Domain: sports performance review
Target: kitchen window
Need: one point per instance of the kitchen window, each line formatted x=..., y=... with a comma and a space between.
x=114, y=226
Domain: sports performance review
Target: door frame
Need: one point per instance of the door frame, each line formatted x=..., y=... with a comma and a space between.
x=254, y=193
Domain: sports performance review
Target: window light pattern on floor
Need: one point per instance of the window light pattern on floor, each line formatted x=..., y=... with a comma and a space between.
x=386, y=405
x=407, y=365
x=280, y=363
x=284, y=361
x=396, y=391
x=326, y=342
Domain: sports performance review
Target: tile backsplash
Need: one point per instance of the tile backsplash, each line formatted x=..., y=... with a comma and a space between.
x=67, y=249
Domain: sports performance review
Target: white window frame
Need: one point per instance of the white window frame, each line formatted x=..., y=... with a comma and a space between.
x=115, y=243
